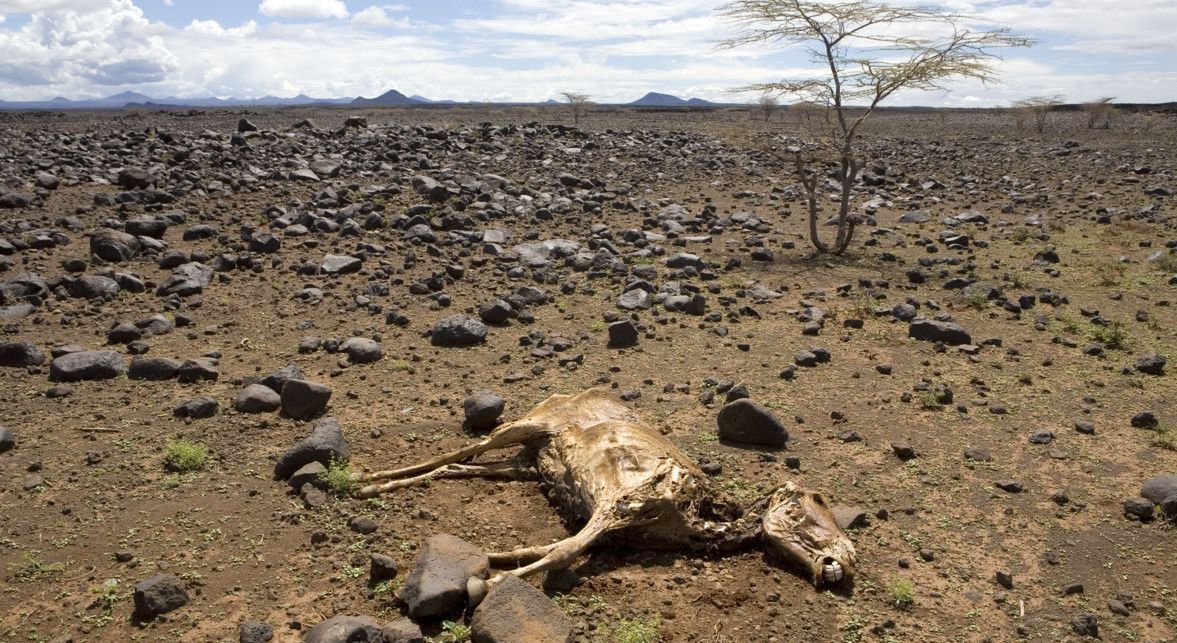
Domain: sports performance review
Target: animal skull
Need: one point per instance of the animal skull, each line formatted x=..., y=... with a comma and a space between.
x=799, y=526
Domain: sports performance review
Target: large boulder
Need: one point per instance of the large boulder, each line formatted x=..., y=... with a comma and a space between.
x=114, y=245
x=20, y=354
x=1162, y=490
x=135, y=178
x=361, y=350
x=159, y=594
x=303, y=399
x=147, y=227
x=458, y=330
x=257, y=398
x=278, y=379
x=199, y=408
x=188, y=279
x=437, y=583
x=326, y=443
x=622, y=334
x=153, y=369
x=94, y=287
x=747, y=422
x=340, y=265
x=86, y=365
x=931, y=330
x=516, y=612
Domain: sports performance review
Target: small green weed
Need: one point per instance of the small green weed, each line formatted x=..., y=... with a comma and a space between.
x=31, y=569
x=184, y=456
x=1165, y=438
x=338, y=478
x=852, y=632
x=452, y=632
x=1019, y=280
x=637, y=631
x=976, y=300
x=1113, y=336
x=107, y=596
x=1167, y=262
x=902, y=593
x=928, y=401
x=1109, y=273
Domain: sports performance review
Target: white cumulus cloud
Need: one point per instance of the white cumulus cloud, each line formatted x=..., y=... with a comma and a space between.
x=376, y=17
x=214, y=28
x=304, y=8
x=114, y=45
x=29, y=6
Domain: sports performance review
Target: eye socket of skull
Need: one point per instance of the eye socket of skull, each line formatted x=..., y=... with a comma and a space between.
x=800, y=527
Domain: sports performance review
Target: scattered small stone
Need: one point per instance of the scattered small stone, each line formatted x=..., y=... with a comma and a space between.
x=1151, y=364
x=1139, y=508
x=458, y=331
x=1145, y=420
x=850, y=517
x=903, y=450
x=199, y=408
x=255, y=632
x=382, y=567
x=363, y=524
x=326, y=443
x=622, y=334
x=1009, y=486
x=978, y=453
x=1086, y=625
x=482, y=410
x=157, y=595
x=747, y=422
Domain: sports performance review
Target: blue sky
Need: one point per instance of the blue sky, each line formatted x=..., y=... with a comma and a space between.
x=522, y=50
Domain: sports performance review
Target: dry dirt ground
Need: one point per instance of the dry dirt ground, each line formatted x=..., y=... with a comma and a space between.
x=938, y=528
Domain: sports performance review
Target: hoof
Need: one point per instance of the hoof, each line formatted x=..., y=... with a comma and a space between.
x=832, y=572
x=475, y=590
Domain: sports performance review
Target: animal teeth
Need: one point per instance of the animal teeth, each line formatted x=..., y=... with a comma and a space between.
x=832, y=572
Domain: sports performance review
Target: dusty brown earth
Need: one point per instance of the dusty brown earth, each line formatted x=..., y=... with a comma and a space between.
x=89, y=507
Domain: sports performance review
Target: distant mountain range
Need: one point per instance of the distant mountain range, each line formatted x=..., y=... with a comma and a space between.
x=391, y=98
x=654, y=99
x=135, y=99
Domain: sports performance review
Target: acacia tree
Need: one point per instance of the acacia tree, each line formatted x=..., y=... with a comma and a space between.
x=865, y=58
x=1099, y=112
x=577, y=103
x=768, y=105
x=1037, y=108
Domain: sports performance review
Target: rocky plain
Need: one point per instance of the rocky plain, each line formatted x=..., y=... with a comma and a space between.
x=210, y=319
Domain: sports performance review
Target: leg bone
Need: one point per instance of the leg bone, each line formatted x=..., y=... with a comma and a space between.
x=506, y=435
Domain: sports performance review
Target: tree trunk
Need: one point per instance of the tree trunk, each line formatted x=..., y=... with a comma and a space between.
x=814, y=237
